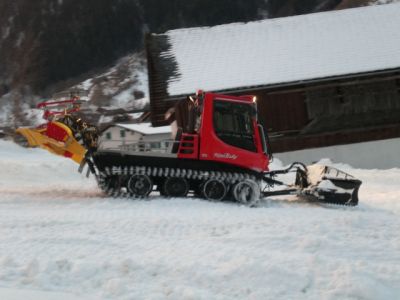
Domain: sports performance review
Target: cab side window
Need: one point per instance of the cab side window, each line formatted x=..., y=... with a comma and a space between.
x=233, y=124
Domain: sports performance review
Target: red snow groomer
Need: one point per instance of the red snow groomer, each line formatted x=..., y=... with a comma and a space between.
x=220, y=152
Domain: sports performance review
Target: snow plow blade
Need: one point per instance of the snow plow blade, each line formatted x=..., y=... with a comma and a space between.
x=330, y=185
x=317, y=183
x=56, y=138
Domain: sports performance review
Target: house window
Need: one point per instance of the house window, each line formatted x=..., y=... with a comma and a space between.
x=122, y=133
x=108, y=135
x=155, y=145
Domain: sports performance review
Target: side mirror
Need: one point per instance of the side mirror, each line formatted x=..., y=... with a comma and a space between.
x=265, y=142
x=254, y=112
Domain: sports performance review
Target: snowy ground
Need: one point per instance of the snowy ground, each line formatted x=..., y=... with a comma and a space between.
x=61, y=239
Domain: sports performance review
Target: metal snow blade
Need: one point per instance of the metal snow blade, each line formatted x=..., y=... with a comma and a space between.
x=330, y=185
x=316, y=183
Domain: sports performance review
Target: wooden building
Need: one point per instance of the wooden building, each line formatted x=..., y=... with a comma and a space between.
x=322, y=79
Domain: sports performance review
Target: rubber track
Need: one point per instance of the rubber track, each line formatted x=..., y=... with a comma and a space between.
x=227, y=177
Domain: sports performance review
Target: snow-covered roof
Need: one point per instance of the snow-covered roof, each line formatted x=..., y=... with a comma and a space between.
x=145, y=128
x=283, y=50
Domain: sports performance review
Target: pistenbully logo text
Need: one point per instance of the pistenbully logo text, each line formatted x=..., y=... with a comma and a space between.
x=225, y=155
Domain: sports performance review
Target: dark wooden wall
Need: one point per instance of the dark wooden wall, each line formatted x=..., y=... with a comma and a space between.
x=353, y=106
x=353, y=99
x=285, y=112
x=160, y=69
x=330, y=107
x=333, y=113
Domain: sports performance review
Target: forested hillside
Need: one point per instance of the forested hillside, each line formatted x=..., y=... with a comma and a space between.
x=46, y=41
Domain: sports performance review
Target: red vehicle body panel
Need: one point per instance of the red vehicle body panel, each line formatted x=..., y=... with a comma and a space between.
x=212, y=148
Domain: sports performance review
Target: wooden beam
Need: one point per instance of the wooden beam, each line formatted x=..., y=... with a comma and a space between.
x=336, y=84
x=301, y=142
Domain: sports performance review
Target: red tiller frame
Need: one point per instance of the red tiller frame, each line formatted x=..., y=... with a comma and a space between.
x=48, y=105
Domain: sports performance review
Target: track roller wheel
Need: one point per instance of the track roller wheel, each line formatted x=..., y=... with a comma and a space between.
x=247, y=192
x=111, y=185
x=140, y=186
x=175, y=187
x=214, y=190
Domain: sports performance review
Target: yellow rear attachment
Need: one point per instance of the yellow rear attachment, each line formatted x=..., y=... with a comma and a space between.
x=56, y=138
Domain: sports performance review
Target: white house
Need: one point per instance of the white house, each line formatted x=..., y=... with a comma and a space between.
x=141, y=135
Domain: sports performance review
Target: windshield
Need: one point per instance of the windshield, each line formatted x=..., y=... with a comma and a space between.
x=233, y=124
